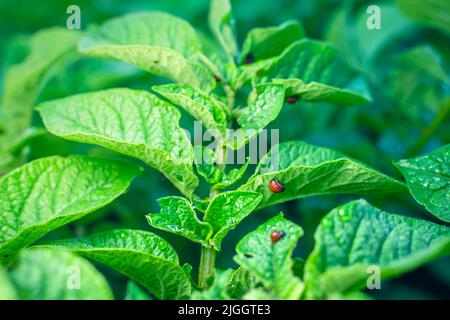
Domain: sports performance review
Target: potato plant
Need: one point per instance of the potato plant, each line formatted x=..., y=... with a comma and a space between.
x=225, y=84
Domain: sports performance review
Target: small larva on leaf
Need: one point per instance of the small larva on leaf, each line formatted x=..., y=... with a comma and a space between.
x=276, y=186
x=292, y=99
x=276, y=236
x=249, y=59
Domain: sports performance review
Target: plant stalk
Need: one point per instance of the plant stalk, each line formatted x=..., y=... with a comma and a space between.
x=208, y=254
x=207, y=263
x=207, y=258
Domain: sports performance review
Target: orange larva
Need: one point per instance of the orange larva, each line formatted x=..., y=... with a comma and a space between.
x=276, y=236
x=292, y=99
x=276, y=186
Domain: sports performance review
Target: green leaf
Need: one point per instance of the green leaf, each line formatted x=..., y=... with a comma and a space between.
x=160, y=43
x=428, y=179
x=356, y=235
x=352, y=295
x=318, y=92
x=426, y=59
x=240, y=282
x=200, y=204
x=259, y=294
x=50, y=274
x=271, y=263
x=233, y=176
x=264, y=43
x=11, y=148
x=187, y=269
x=151, y=28
x=317, y=63
x=7, y=290
x=341, y=33
x=423, y=97
x=264, y=105
x=217, y=291
x=21, y=141
x=178, y=216
x=200, y=105
x=50, y=50
x=361, y=46
x=227, y=210
x=205, y=162
x=222, y=24
x=7, y=161
x=248, y=72
x=132, y=122
x=135, y=292
x=307, y=170
x=434, y=13
x=51, y=192
x=371, y=42
x=208, y=169
x=141, y=256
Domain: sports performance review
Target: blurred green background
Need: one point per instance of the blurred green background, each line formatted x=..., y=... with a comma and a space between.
x=406, y=64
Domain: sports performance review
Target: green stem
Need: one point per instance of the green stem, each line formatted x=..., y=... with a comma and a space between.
x=208, y=254
x=207, y=263
x=231, y=96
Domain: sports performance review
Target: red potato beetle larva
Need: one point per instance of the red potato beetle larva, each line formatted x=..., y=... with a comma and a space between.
x=276, y=236
x=276, y=186
x=292, y=99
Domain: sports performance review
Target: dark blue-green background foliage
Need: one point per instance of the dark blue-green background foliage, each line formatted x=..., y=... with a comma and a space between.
x=407, y=97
